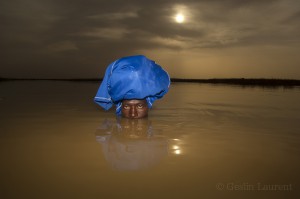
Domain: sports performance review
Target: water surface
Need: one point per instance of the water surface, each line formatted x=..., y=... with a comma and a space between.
x=200, y=141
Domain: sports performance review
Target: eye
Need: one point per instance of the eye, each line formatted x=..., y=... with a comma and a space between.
x=140, y=106
x=125, y=107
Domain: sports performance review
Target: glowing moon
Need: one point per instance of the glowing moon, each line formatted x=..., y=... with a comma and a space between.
x=179, y=18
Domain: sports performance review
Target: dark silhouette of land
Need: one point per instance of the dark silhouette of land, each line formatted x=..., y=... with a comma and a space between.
x=245, y=81
x=233, y=81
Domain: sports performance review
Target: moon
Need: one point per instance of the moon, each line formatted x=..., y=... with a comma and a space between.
x=179, y=18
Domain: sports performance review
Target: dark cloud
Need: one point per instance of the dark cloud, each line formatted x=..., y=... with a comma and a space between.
x=61, y=38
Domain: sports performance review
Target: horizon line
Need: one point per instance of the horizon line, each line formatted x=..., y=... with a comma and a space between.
x=237, y=81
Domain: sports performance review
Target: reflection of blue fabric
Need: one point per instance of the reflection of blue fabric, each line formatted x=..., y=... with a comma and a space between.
x=134, y=77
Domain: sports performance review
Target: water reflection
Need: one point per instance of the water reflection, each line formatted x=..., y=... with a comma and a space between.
x=133, y=144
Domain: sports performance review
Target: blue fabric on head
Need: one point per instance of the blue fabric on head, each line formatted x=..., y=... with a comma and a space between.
x=134, y=77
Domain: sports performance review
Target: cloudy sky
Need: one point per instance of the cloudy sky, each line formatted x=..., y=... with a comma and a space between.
x=212, y=39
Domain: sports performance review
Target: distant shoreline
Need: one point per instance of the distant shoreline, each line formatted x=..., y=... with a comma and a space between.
x=232, y=81
x=244, y=81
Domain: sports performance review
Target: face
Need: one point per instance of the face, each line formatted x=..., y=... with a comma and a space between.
x=134, y=109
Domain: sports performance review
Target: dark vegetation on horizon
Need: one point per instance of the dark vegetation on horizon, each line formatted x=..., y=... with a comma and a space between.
x=235, y=81
x=244, y=81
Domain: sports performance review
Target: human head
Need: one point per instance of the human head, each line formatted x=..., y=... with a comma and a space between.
x=134, y=77
x=135, y=108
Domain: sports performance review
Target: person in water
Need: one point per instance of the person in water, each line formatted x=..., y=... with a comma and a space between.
x=132, y=84
x=134, y=108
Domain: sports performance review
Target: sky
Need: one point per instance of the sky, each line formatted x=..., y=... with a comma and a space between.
x=207, y=39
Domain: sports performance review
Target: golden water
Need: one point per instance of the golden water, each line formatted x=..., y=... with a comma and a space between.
x=199, y=141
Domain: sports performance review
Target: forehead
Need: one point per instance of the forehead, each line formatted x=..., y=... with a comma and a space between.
x=134, y=101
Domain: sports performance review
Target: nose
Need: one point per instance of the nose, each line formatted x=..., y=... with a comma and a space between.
x=133, y=112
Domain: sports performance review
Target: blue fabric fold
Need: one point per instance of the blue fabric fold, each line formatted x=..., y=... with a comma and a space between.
x=133, y=77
